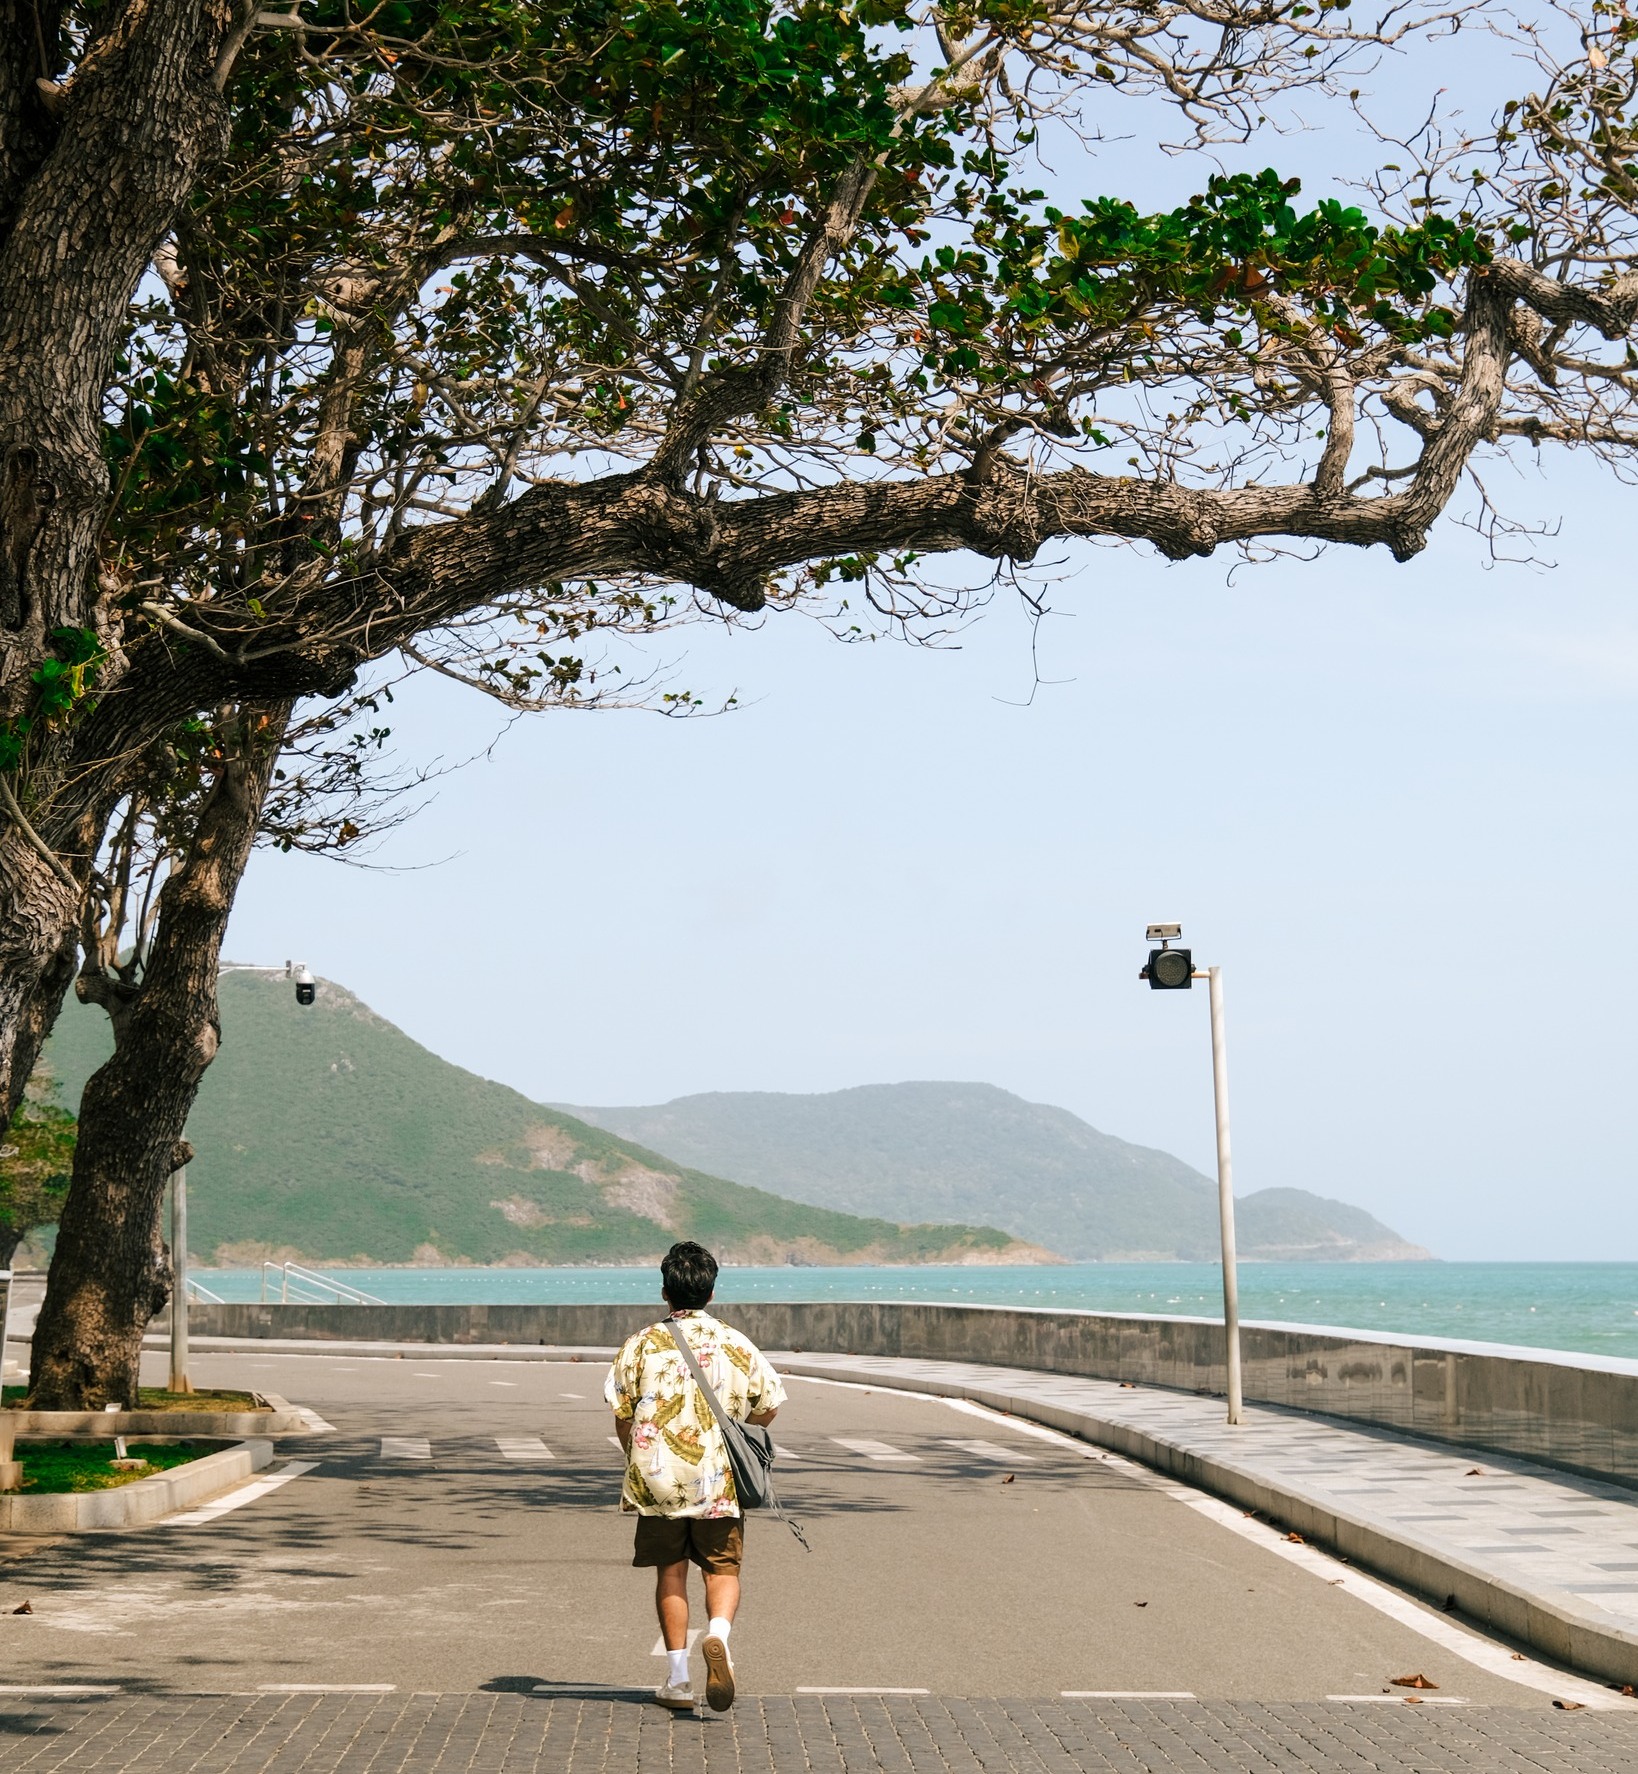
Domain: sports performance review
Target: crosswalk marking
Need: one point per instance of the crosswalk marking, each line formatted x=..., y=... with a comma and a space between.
x=872, y=1450
x=1398, y=1699
x=784, y=1453
x=1125, y=1694
x=861, y=1690
x=523, y=1447
x=326, y=1688
x=405, y=1447
x=993, y=1450
x=252, y=1492
x=61, y=1690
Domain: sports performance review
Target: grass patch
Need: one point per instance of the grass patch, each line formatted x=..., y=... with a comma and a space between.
x=155, y=1398
x=85, y=1466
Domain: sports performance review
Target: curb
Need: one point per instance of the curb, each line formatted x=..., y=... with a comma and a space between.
x=1550, y=1622
x=144, y=1500
x=383, y=1351
x=171, y=1425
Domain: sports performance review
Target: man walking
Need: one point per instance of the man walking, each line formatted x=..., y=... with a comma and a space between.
x=678, y=1481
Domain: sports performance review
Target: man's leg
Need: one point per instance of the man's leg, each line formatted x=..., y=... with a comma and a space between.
x=722, y=1603
x=722, y=1595
x=671, y=1603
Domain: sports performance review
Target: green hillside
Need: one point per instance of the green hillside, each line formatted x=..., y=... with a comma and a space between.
x=327, y=1135
x=963, y=1151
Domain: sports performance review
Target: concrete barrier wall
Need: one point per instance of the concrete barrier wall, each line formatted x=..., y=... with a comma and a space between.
x=1550, y=1408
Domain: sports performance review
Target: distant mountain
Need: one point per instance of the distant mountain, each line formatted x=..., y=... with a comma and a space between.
x=328, y=1135
x=971, y=1151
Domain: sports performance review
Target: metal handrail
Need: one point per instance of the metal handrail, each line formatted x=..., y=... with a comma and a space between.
x=294, y=1274
x=198, y=1292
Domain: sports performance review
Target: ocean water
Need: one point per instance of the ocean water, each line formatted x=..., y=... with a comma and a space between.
x=1589, y=1308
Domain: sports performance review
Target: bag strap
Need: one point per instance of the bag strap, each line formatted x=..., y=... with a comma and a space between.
x=722, y=1417
x=704, y=1384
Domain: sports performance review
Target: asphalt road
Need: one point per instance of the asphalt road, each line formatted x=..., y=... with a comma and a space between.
x=466, y=1571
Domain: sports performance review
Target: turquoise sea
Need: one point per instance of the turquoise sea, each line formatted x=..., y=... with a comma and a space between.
x=1591, y=1308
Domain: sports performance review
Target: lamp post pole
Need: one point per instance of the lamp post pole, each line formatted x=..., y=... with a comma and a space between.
x=179, y=1270
x=1173, y=970
x=1225, y=1191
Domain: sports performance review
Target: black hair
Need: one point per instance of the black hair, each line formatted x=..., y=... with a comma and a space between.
x=688, y=1274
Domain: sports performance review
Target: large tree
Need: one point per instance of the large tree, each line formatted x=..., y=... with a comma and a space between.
x=460, y=333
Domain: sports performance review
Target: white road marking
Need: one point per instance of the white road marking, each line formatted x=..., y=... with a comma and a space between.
x=61, y=1692
x=1399, y=1699
x=405, y=1447
x=236, y=1499
x=784, y=1453
x=1125, y=1694
x=326, y=1687
x=523, y=1447
x=503, y=1382
x=872, y=1450
x=993, y=1450
x=314, y=1421
x=1482, y=1653
x=659, y=1643
x=863, y=1690
x=614, y=1441
x=571, y=1395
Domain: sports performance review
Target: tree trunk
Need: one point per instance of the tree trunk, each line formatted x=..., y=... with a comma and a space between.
x=111, y=1271
x=94, y=166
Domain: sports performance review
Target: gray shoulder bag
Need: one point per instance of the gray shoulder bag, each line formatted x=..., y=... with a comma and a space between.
x=750, y=1446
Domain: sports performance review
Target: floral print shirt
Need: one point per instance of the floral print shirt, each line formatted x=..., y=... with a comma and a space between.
x=678, y=1464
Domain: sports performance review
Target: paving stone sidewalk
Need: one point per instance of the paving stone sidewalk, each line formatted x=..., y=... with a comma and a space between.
x=1537, y=1553
x=506, y=1733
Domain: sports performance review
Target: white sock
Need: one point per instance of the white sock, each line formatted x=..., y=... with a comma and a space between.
x=677, y=1676
x=717, y=1627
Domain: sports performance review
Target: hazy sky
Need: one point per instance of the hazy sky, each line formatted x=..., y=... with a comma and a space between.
x=1395, y=803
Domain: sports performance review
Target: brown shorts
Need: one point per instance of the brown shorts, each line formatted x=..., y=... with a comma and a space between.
x=716, y=1543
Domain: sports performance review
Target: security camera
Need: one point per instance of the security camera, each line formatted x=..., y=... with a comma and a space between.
x=306, y=985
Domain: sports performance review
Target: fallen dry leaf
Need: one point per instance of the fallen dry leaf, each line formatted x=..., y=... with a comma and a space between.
x=26, y=1608
x=1335, y=1581
x=1473, y=1472
x=1568, y=1705
x=1009, y=1478
x=1128, y=1386
x=1414, y=1681
x=1296, y=1539
x=1411, y=1700
x=1140, y=1604
x=1519, y=1657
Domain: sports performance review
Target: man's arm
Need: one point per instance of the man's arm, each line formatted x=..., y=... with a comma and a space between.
x=762, y=1418
x=622, y=1428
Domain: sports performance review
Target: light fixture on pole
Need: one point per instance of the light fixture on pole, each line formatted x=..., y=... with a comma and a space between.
x=1173, y=970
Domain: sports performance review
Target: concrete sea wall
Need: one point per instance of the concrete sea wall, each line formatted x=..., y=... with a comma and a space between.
x=1572, y=1412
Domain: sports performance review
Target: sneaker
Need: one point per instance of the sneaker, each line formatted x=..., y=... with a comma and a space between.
x=719, y=1675
x=679, y=1696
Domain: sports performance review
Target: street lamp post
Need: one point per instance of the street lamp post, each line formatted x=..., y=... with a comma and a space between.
x=179, y=1290
x=1172, y=970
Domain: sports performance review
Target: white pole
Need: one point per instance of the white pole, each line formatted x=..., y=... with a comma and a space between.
x=8, y=1280
x=179, y=1271
x=1225, y=1193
